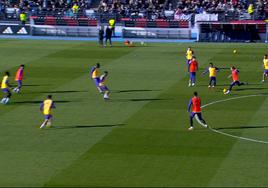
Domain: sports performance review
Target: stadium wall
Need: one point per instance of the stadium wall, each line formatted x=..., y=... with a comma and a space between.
x=236, y=31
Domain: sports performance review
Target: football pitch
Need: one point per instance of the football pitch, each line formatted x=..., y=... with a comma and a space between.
x=140, y=136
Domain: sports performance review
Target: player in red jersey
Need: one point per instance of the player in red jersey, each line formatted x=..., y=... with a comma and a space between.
x=192, y=68
x=195, y=103
x=19, y=78
x=235, y=77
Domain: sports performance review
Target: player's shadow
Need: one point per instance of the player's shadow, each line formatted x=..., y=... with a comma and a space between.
x=85, y=126
x=251, y=88
x=28, y=85
x=218, y=85
x=242, y=127
x=39, y=102
x=136, y=90
x=66, y=91
x=138, y=100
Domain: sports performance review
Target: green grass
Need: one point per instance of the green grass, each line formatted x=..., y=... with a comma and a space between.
x=140, y=136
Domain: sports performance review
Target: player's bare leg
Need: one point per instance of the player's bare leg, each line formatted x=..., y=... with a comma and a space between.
x=44, y=124
x=263, y=77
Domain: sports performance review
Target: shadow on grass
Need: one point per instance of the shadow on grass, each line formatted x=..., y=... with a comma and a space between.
x=218, y=85
x=85, y=126
x=242, y=127
x=39, y=102
x=28, y=85
x=136, y=90
x=251, y=88
x=67, y=91
x=138, y=100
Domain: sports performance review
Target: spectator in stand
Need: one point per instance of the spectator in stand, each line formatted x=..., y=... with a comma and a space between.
x=75, y=9
x=251, y=10
x=112, y=25
x=23, y=18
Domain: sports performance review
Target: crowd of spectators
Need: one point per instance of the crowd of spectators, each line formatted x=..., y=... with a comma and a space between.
x=134, y=8
x=151, y=9
x=162, y=8
x=68, y=7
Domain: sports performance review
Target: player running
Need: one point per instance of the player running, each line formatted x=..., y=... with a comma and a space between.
x=192, y=69
x=46, y=107
x=235, y=77
x=103, y=86
x=195, y=103
x=95, y=75
x=265, y=65
x=19, y=78
x=5, y=88
x=212, y=74
x=189, y=54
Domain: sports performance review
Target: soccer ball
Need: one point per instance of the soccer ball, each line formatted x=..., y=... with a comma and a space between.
x=234, y=51
x=224, y=90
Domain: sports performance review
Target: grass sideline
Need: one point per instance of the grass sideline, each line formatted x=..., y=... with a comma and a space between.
x=139, y=137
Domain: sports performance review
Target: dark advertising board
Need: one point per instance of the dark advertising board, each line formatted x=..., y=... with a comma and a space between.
x=8, y=29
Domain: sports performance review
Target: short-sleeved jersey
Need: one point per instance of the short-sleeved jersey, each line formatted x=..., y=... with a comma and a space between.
x=189, y=54
x=265, y=64
x=47, y=105
x=4, y=83
x=235, y=76
x=95, y=72
x=212, y=71
x=112, y=22
x=195, y=102
x=19, y=74
x=193, y=65
x=75, y=8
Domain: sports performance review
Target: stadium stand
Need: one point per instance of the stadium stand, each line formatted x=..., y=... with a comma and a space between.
x=103, y=10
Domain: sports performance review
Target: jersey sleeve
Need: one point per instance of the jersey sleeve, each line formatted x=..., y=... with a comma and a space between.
x=92, y=70
x=189, y=105
x=42, y=106
x=206, y=71
x=53, y=105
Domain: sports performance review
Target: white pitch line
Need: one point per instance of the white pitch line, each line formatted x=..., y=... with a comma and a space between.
x=230, y=135
x=239, y=137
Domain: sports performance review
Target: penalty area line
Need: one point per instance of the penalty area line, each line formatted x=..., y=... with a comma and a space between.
x=227, y=134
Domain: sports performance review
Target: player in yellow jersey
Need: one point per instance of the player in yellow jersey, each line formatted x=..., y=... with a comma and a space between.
x=265, y=65
x=5, y=88
x=46, y=108
x=189, y=55
x=212, y=74
x=95, y=75
x=103, y=86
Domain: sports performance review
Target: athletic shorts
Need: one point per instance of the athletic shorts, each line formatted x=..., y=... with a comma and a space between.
x=19, y=82
x=213, y=78
x=192, y=74
x=199, y=115
x=97, y=81
x=104, y=88
x=266, y=71
x=5, y=90
x=47, y=117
